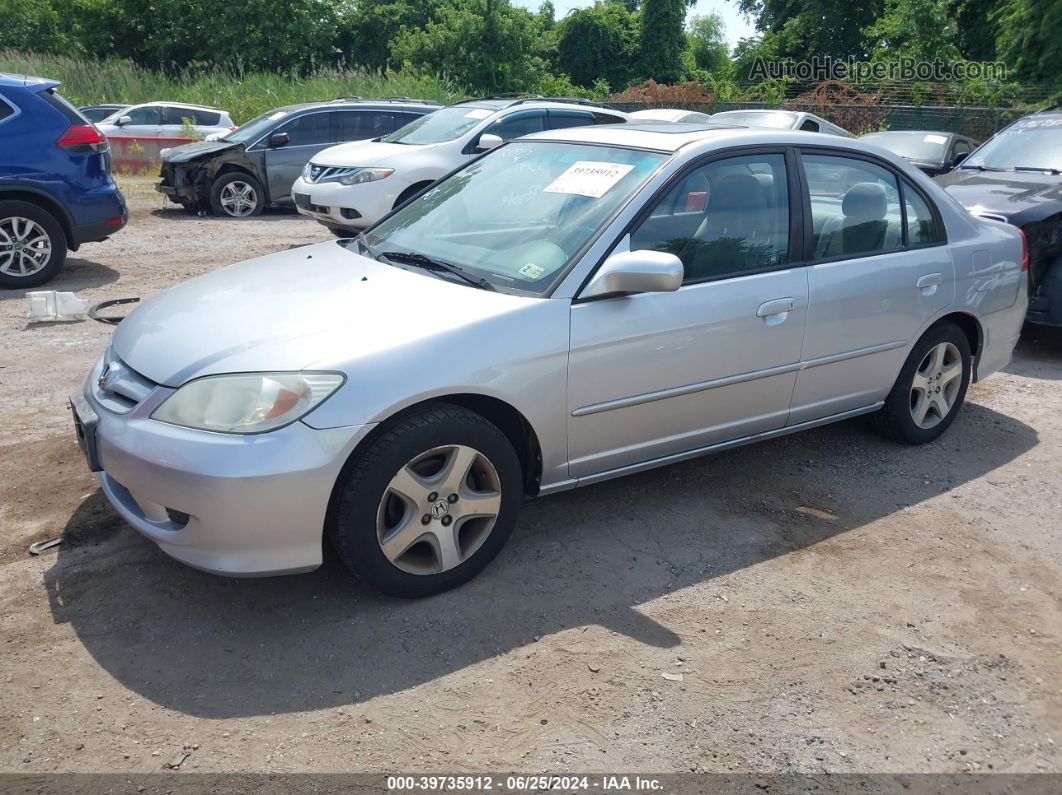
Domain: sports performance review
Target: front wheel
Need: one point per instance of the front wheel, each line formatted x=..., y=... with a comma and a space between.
x=930, y=389
x=429, y=503
x=32, y=245
x=237, y=195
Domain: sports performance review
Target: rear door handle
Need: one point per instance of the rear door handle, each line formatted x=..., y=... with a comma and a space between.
x=929, y=280
x=776, y=310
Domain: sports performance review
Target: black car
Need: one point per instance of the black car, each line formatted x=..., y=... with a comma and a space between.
x=254, y=166
x=932, y=151
x=97, y=113
x=1016, y=176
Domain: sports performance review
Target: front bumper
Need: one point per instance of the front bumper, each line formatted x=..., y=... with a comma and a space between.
x=1045, y=304
x=227, y=504
x=346, y=206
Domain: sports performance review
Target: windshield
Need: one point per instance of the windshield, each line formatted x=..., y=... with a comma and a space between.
x=519, y=215
x=255, y=127
x=923, y=146
x=442, y=125
x=1028, y=143
x=780, y=120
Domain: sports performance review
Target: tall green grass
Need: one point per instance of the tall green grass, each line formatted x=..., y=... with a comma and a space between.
x=244, y=94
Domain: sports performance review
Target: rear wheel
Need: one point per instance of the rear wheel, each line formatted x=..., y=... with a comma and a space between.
x=930, y=389
x=237, y=195
x=429, y=503
x=32, y=245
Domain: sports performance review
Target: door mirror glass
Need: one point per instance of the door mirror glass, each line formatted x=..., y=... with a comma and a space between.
x=632, y=272
x=277, y=140
x=488, y=141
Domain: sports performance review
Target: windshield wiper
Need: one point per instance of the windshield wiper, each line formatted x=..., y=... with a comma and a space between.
x=980, y=168
x=438, y=265
x=1047, y=169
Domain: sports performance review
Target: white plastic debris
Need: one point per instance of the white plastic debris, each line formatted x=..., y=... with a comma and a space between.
x=52, y=305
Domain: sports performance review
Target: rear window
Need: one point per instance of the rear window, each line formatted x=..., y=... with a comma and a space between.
x=72, y=114
x=607, y=118
x=208, y=118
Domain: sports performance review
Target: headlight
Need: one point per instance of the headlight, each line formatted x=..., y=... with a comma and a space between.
x=249, y=403
x=306, y=171
x=366, y=175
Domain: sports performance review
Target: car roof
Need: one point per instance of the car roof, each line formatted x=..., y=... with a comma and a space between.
x=671, y=137
x=175, y=105
x=503, y=102
x=10, y=80
x=361, y=102
x=669, y=114
x=909, y=132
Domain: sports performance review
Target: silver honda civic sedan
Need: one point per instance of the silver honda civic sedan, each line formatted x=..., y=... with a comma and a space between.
x=574, y=306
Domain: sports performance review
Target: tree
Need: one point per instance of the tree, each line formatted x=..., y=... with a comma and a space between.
x=487, y=44
x=707, y=41
x=663, y=40
x=599, y=42
x=366, y=40
x=801, y=29
x=1028, y=38
x=977, y=32
x=918, y=29
x=31, y=25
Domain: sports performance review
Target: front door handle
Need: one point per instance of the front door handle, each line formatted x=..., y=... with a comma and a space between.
x=775, y=311
x=929, y=283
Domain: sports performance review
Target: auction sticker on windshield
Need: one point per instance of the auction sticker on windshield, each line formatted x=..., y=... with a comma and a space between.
x=589, y=178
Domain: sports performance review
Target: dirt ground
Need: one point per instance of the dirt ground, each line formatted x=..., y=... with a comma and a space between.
x=833, y=602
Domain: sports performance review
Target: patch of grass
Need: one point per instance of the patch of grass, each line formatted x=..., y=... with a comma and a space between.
x=244, y=94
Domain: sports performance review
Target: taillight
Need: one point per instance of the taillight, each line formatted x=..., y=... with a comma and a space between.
x=82, y=135
x=1024, y=250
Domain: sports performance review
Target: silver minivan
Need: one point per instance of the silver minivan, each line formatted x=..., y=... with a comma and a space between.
x=573, y=306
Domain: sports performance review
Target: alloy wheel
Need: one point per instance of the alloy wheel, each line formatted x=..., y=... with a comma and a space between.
x=25, y=246
x=238, y=198
x=438, y=510
x=935, y=385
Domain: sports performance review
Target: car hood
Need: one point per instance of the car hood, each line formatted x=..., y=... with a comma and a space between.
x=186, y=152
x=368, y=153
x=315, y=306
x=1022, y=196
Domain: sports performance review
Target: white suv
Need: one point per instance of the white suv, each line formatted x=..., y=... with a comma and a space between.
x=352, y=186
x=166, y=120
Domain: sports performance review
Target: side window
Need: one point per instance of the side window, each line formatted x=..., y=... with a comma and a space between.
x=921, y=226
x=855, y=206
x=961, y=149
x=724, y=218
x=5, y=110
x=607, y=118
x=559, y=119
x=207, y=118
x=357, y=125
x=309, y=129
x=810, y=126
x=148, y=115
x=518, y=124
x=176, y=116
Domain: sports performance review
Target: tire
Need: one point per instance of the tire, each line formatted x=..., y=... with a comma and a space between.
x=27, y=227
x=237, y=195
x=938, y=407
x=411, y=457
x=408, y=193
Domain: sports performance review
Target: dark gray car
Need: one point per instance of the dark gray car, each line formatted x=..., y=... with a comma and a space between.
x=933, y=151
x=253, y=167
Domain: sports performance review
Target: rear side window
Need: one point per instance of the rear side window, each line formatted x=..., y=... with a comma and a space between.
x=559, y=119
x=5, y=110
x=208, y=118
x=72, y=114
x=607, y=118
x=855, y=206
x=922, y=227
x=357, y=125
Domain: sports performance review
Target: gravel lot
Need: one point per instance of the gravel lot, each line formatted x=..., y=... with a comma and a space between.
x=832, y=601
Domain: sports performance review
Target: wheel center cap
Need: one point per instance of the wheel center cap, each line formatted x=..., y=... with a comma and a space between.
x=440, y=509
x=17, y=247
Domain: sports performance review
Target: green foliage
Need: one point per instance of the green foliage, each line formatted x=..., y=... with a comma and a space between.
x=31, y=22
x=801, y=29
x=919, y=29
x=706, y=36
x=373, y=24
x=977, y=32
x=1028, y=38
x=244, y=93
x=663, y=40
x=486, y=43
x=599, y=42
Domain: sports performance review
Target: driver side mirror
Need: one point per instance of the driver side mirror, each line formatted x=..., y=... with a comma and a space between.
x=488, y=141
x=632, y=272
x=124, y=120
x=959, y=158
x=277, y=140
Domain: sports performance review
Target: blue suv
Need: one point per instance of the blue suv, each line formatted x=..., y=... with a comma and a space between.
x=56, y=189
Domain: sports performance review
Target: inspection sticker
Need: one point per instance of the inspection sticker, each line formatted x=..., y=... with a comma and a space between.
x=589, y=178
x=936, y=139
x=478, y=113
x=531, y=270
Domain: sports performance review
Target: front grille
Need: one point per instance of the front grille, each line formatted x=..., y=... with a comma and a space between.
x=119, y=387
x=329, y=173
